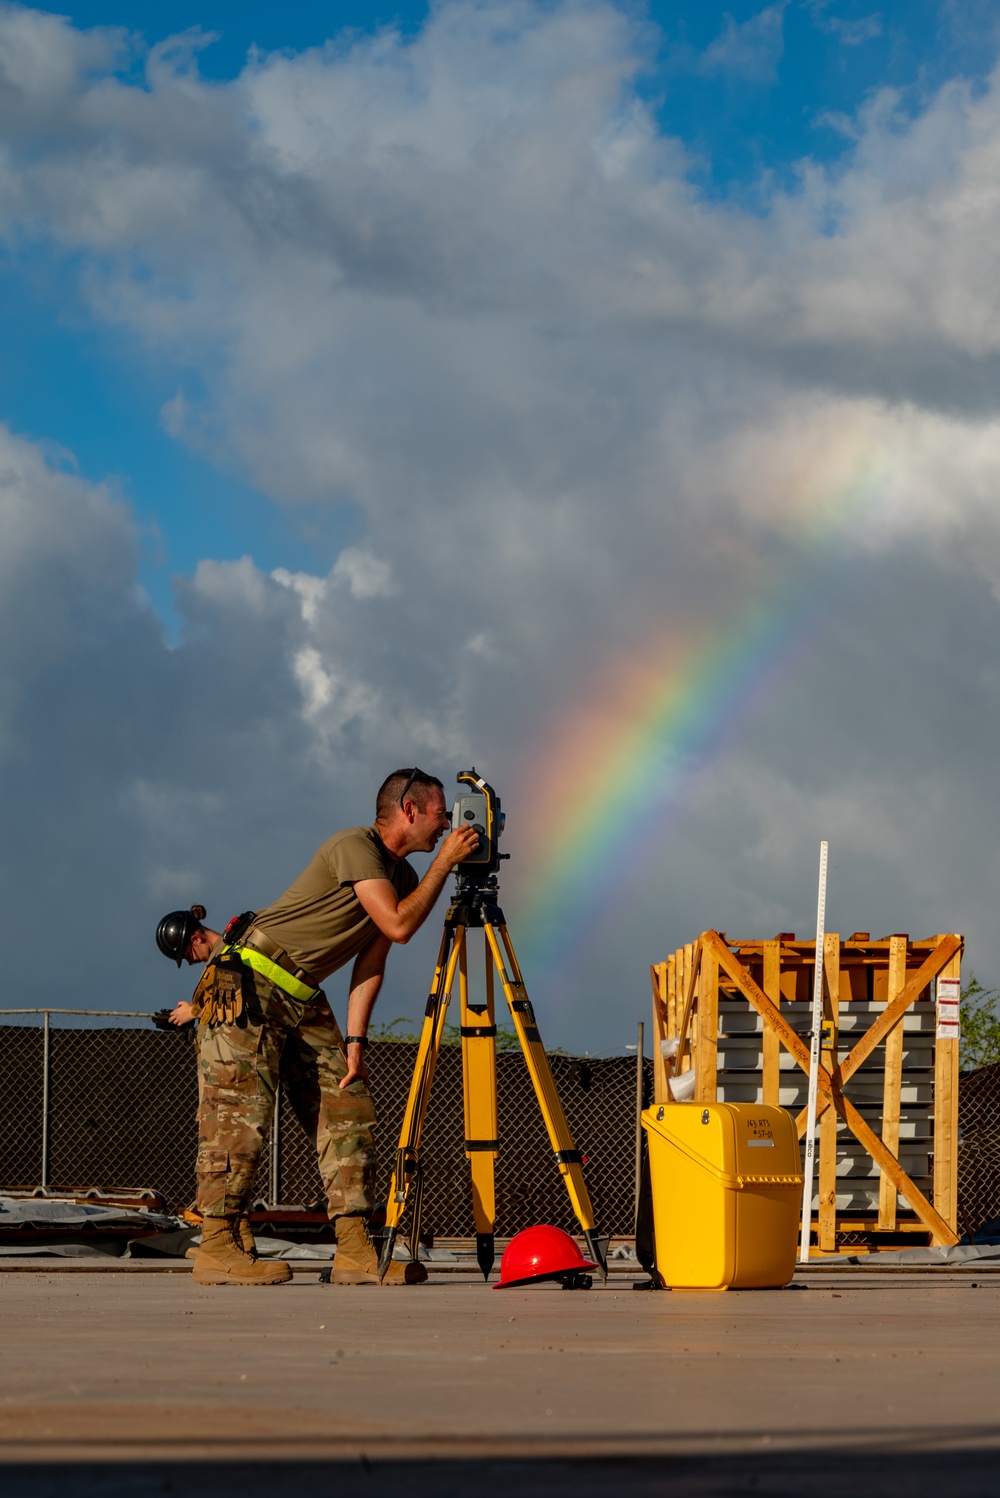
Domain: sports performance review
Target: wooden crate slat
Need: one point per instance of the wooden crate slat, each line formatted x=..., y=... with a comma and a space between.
x=706, y=1066
x=892, y=1080
x=946, y=1113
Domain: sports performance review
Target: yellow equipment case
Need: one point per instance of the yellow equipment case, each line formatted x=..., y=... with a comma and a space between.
x=726, y=1188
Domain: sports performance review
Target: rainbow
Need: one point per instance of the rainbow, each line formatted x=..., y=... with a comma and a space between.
x=626, y=750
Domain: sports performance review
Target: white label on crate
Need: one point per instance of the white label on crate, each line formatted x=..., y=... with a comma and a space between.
x=949, y=992
x=761, y=1144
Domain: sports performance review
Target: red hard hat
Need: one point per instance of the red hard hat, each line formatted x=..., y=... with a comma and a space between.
x=539, y=1253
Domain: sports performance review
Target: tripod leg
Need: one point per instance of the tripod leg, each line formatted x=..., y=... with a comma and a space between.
x=479, y=1075
x=416, y=1181
x=407, y=1161
x=568, y=1157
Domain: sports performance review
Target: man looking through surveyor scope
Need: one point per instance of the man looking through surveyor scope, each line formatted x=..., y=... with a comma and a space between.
x=263, y=1007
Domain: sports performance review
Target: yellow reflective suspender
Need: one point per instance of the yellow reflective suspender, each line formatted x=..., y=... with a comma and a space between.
x=276, y=975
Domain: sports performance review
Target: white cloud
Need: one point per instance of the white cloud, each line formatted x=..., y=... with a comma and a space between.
x=749, y=49
x=311, y=590
x=137, y=775
x=363, y=573
x=849, y=31
x=315, y=681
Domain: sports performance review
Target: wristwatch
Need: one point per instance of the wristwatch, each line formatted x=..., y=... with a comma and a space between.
x=361, y=1040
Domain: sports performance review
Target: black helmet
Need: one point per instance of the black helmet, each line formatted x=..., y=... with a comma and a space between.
x=176, y=930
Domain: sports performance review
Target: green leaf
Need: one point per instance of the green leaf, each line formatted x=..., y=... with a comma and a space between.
x=979, y=1026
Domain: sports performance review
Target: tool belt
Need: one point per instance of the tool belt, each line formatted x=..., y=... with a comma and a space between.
x=228, y=979
x=267, y=957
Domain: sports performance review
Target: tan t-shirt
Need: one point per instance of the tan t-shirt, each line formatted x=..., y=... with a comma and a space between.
x=319, y=920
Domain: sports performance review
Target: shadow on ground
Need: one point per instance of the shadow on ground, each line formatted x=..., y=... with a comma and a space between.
x=959, y=1472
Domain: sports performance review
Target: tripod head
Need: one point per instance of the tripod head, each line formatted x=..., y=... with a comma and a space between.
x=479, y=808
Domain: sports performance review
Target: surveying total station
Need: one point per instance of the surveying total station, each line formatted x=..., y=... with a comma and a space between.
x=475, y=906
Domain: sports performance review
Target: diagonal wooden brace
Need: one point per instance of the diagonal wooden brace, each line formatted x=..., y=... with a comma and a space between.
x=829, y=1087
x=712, y=941
x=876, y=1033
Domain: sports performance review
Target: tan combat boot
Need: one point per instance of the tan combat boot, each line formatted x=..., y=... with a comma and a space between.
x=244, y=1236
x=221, y=1260
x=356, y=1259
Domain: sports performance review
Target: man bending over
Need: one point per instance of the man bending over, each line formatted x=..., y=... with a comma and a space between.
x=262, y=1006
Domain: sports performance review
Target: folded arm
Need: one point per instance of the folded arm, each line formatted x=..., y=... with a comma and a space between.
x=399, y=919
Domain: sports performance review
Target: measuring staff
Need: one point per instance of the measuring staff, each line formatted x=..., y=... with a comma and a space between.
x=263, y=1007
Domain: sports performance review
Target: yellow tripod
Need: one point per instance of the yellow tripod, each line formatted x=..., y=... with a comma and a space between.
x=474, y=906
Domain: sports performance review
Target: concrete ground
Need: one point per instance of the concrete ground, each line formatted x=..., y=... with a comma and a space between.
x=123, y=1382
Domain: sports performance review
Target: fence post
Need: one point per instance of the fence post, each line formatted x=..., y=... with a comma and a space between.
x=639, y=1062
x=276, y=1147
x=45, y=1101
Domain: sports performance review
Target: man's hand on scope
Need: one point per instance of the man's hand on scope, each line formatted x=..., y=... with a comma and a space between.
x=458, y=846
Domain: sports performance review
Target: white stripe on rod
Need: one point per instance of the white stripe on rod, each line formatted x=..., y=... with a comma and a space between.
x=809, y=1167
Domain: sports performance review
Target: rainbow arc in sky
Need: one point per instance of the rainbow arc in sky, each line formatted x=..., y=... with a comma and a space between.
x=653, y=718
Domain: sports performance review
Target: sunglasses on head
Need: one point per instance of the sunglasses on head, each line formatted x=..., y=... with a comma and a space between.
x=417, y=777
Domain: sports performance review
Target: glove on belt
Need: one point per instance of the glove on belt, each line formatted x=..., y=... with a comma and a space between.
x=220, y=992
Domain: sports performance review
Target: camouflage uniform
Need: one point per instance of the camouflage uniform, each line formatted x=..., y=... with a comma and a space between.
x=239, y=1066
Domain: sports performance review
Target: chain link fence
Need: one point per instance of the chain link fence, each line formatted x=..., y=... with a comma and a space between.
x=979, y=1149
x=109, y=1105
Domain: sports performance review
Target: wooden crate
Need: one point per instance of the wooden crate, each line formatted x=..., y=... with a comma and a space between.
x=887, y=1105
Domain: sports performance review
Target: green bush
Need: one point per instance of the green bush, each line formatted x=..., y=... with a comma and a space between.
x=979, y=1026
x=506, y=1035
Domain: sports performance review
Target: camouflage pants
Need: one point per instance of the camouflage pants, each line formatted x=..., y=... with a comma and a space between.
x=239, y=1066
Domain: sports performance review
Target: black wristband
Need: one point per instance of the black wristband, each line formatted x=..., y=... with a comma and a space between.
x=361, y=1040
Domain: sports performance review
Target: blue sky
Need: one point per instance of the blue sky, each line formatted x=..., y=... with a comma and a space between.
x=751, y=91
x=368, y=406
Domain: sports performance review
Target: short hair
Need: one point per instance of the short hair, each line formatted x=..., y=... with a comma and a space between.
x=416, y=784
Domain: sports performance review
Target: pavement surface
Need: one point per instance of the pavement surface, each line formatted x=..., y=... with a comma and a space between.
x=120, y=1383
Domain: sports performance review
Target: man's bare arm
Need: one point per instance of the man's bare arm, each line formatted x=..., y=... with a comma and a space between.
x=399, y=919
x=366, y=980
